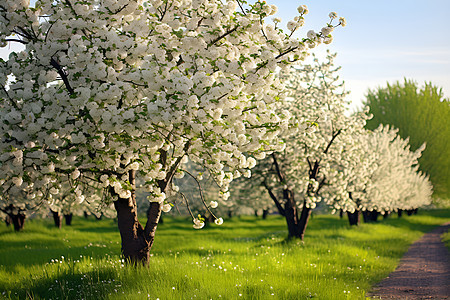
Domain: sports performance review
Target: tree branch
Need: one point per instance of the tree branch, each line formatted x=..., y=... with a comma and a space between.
x=313, y=172
x=201, y=194
x=274, y=198
x=242, y=9
x=63, y=75
x=221, y=36
x=10, y=99
x=164, y=182
x=331, y=141
x=321, y=184
x=277, y=168
x=17, y=40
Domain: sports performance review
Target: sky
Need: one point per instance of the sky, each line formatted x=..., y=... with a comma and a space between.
x=384, y=41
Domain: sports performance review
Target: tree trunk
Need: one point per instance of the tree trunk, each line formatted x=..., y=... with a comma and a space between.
x=386, y=215
x=85, y=214
x=68, y=218
x=256, y=212
x=8, y=220
x=296, y=225
x=304, y=219
x=265, y=213
x=374, y=216
x=136, y=240
x=18, y=221
x=354, y=218
x=370, y=216
x=415, y=211
x=341, y=213
x=57, y=218
x=291, y=214
x=410, y=212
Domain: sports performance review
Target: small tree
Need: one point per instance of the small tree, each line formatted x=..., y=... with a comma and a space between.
x=109, y=90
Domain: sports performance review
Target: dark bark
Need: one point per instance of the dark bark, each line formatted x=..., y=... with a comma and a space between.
x=275, y=199
x=18, y=221
x=386, y=215
x=354, y=218
x=85, y=214
x=136, y=240
x=410, y=212
x=8, y=220
x=304, y=219
x=341, y=214
x=57, y=218
x=15, y=216
x=265, y=213
x=415, y=211
x=230, y=214
x=68, y=219
x=256, y=212
x=291, y=214
x=370, y=216
x=399, y=213
x=296, y=225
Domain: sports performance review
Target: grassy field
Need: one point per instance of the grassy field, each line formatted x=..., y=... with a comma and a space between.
x=244, y=258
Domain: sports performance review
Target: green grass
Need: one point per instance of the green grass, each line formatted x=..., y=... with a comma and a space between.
x=244, y=258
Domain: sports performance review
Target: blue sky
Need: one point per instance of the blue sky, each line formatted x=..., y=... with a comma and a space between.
x=384, y=41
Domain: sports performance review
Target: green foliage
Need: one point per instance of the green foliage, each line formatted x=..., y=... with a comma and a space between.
x=423, y=115
x=245, y=256
x=446, y=239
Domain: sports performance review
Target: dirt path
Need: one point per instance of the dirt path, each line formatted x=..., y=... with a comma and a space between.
x=423, y=273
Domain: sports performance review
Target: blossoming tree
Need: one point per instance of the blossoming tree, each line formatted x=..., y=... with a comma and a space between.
x=381, y=174
x=107, y=90
x=305, y=166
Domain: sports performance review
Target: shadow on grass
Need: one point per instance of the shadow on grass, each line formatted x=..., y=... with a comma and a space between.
x=40, y=256
x=95, y=284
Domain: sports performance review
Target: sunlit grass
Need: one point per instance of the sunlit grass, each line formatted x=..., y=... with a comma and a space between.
x=244, y=258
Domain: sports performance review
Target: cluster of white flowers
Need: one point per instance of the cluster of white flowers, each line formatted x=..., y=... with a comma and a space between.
x=111, y=87
x=382, y=175
x=198, y=224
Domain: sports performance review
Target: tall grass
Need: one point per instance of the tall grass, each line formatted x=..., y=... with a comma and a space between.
x=246, y=258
